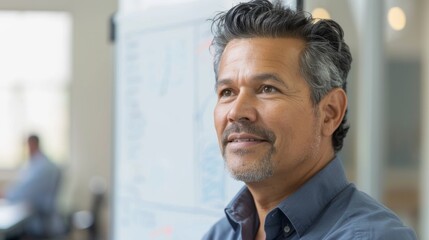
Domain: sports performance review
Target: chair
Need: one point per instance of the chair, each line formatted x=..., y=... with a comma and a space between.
x=89, y=220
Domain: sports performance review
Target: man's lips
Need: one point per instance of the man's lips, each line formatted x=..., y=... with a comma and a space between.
x=244, y=137
x=245, y=134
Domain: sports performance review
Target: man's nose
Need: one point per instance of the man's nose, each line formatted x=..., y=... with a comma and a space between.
x=243, y=108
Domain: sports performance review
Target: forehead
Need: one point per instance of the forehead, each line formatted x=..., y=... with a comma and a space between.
x=262, y=52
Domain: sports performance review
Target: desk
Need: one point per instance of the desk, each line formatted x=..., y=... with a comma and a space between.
x=12, y=217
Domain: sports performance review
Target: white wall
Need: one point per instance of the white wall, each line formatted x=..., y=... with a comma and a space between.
x=90, y=93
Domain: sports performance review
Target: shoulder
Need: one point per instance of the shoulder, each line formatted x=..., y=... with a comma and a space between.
x=365, y=218
x=44, y=168
x=44, y=162
x=221, y=230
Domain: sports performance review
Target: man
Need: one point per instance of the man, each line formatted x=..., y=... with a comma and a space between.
x=280, y=120
x=37, y=187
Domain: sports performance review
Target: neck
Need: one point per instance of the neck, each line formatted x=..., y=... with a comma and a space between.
x=34, y=153
x=268, y=193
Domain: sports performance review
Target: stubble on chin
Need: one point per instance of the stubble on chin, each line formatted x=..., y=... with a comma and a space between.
x=255, y=171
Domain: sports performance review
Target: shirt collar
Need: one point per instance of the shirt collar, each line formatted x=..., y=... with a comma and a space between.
x=241, y=208
x=314, y=195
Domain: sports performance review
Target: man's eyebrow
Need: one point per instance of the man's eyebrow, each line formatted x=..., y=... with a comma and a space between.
x=220, y=82
x=257, y=77
x=269, y=76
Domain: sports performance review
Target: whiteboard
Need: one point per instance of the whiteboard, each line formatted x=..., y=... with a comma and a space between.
x=169, y=179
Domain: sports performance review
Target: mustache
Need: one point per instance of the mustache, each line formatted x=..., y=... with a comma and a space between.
x=247, y=127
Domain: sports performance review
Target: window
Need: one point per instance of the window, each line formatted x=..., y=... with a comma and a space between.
x=34, y=79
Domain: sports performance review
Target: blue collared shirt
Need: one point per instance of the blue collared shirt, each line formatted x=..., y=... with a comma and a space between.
x=37, y=186
x=325, y=207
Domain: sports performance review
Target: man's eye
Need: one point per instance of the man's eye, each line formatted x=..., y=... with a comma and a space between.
x=268, y=89
x=226, y=93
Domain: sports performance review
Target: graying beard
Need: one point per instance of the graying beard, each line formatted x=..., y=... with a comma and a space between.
x=265, y=168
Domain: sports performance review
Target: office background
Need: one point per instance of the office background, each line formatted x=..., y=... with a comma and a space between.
x=89, y=104
x=388, y=89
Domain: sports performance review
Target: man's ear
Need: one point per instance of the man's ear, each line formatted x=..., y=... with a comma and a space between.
x=333, y=107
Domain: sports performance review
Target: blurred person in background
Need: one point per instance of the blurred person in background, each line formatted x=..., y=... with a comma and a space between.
x=37, y=186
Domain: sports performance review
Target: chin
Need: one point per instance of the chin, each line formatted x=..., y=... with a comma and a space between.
x=249, y=171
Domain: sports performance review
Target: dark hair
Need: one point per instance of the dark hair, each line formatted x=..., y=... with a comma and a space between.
x=34, y=139
x=325, y=60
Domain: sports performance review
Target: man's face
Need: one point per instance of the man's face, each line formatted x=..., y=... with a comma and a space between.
x=33, y=147
x=265, y=121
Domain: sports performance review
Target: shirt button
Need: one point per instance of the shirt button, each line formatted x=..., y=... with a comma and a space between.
x=286, y=229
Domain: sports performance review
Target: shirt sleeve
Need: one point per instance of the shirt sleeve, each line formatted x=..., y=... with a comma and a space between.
x=32, y=182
